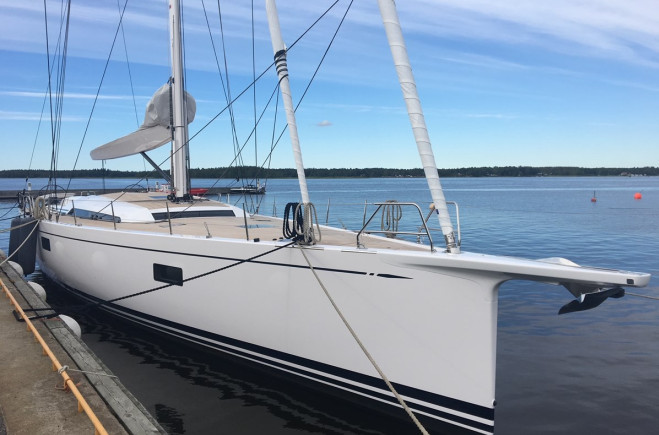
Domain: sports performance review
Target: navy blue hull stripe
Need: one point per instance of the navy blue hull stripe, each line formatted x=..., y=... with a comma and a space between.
x=331, y=381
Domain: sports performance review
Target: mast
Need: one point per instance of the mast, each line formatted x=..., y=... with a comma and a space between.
x=415, y=112
x=282, y=72
x=180, y=155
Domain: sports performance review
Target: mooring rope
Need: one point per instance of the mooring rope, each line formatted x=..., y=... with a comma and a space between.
x=68, y=369
x=642, y=296
x=363, y=347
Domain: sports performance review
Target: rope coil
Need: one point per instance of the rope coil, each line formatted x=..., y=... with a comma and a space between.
x=392, y=213
x=301, y=229
x=40, y=209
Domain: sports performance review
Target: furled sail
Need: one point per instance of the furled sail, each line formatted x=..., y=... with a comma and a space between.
x=153, y=132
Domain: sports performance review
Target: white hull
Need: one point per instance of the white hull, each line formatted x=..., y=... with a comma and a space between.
x=432, y=332
x=428, y=319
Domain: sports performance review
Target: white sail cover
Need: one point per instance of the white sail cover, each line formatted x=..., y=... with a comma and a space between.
x=153, y=132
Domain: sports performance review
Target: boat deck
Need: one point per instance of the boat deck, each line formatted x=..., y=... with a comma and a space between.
x=258, y=226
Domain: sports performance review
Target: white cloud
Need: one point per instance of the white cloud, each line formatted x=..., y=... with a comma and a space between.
x=615, y=29
x=324, y=123
x=67, y=95
x=31, y=116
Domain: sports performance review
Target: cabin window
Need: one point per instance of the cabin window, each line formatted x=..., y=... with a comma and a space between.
x=45, y=243
x=168, y=274
x=93, y=215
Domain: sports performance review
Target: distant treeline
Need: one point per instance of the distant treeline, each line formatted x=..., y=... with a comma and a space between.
x=251, y=172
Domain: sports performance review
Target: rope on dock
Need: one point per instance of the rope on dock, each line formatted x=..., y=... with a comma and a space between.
x=67, y=368
x=363, y=347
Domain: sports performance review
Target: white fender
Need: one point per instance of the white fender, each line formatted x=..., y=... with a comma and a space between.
x=71, y=323
x=38, y=289
x=17, y=267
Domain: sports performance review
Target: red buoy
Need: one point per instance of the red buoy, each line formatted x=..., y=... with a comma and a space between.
x=593, y=199
x=638, y=195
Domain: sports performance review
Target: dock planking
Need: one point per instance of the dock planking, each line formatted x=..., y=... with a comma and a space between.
x=30, y=402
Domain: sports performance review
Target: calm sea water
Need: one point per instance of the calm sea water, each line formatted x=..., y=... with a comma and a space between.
x=588, y=372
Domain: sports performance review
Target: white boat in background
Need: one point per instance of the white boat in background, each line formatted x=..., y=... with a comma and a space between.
x=409, y=325
x=249, y=189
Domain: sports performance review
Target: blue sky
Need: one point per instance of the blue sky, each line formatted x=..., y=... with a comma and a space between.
x=558, y=83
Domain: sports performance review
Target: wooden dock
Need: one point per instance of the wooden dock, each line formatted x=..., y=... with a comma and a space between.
x=31, y=398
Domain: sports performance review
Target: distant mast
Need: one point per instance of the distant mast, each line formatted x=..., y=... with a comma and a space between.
x=180, y=155
x=408, y=86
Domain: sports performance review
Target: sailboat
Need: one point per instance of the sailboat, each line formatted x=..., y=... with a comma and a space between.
x=381, y=318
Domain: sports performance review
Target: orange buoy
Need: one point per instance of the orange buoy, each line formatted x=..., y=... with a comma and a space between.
x=638, y=195
x=593, y=199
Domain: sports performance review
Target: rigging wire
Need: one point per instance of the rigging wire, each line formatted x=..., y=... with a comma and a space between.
x=61, y=82
x=228, y=90
x=56, y=107
x=36, y=137
x=98, y=91
x=230, y=104
x=132, y=91
x=46, y=94
x=130, y=75
x=269, y=156
x=256, y=148
x=225, y=87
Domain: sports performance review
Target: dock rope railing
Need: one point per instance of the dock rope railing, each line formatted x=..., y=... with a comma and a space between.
x=68, y=382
